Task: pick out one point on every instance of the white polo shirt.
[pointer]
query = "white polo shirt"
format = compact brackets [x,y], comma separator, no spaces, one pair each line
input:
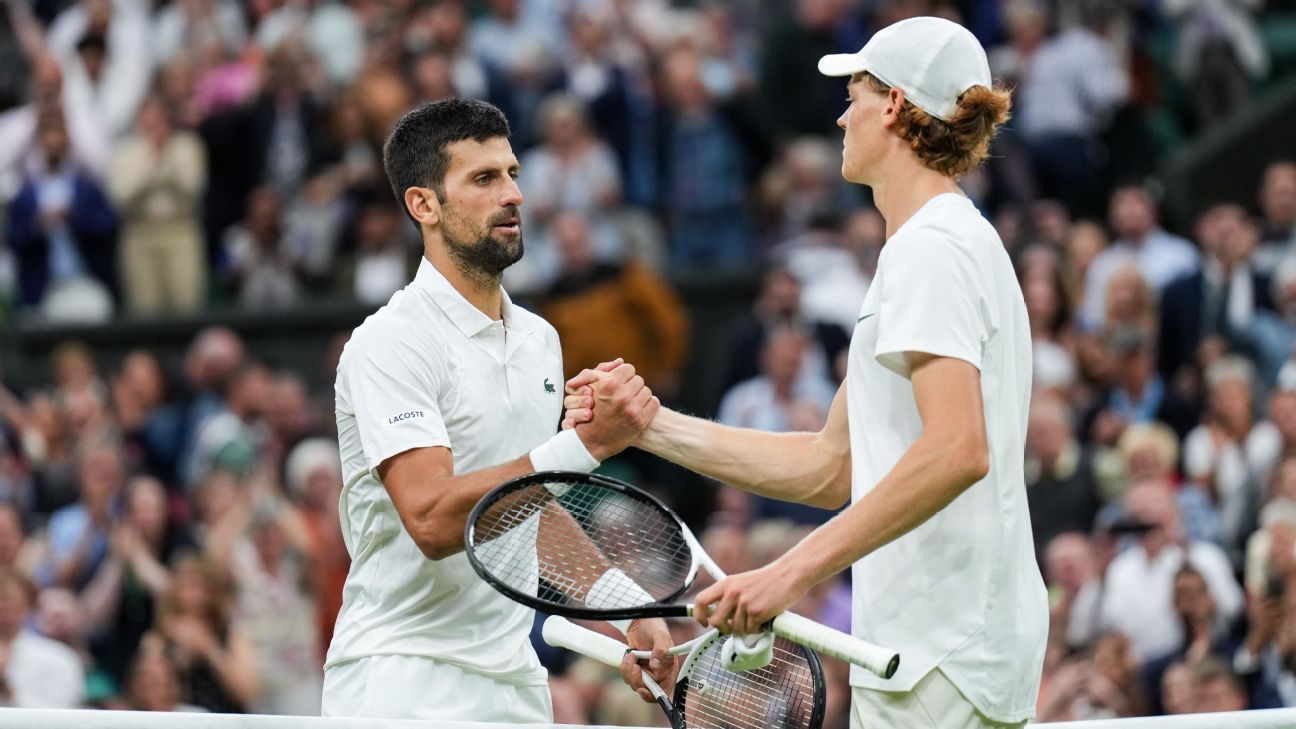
[429,369]
[962,591]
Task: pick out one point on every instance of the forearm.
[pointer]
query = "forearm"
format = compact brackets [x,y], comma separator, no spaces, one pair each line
[437,524]
[802,467]
[929,476]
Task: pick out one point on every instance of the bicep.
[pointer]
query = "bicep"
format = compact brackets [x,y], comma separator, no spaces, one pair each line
[947,391]
[410,476]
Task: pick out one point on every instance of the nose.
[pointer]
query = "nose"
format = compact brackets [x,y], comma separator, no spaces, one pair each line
[512,194]
[841,120]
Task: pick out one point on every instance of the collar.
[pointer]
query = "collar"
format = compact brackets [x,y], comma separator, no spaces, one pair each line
[466,317]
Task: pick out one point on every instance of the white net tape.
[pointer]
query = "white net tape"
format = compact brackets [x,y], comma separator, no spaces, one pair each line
[64,719]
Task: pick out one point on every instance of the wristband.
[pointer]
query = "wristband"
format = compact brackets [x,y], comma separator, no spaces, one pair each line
[615,589]
[563,452]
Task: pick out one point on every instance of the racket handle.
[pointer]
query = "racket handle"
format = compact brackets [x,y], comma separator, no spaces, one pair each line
[562,633]
[837,644]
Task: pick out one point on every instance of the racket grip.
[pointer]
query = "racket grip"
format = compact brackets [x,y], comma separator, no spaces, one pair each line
[562,633]
[837,644]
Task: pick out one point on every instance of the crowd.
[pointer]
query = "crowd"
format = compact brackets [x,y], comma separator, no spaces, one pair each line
[169,533]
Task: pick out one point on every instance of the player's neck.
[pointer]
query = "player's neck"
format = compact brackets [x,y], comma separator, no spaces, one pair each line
[903,186]
[481,290]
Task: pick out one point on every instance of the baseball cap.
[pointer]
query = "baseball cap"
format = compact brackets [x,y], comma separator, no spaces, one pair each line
[932,60]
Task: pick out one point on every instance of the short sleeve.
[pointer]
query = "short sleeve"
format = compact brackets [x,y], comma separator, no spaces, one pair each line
[395,392]
[931,301]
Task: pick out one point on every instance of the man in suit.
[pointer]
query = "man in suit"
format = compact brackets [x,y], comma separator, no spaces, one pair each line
[1227,298]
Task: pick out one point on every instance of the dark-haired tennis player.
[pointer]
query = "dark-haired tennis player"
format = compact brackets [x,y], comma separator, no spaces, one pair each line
[444,393]
[926,436]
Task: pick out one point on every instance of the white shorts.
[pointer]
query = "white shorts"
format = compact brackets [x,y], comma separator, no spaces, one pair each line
[934,703]
[413,687]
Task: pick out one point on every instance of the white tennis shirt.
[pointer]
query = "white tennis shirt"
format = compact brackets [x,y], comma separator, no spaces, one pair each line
[962,591]
[429,369]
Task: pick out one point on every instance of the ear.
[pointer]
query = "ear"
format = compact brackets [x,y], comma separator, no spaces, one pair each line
[423,205]
[895,104]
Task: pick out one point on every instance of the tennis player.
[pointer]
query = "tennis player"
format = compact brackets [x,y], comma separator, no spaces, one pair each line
[927,434]
[444,393]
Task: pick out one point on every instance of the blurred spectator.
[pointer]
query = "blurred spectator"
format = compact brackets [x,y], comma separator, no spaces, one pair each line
[525,53]
[832,280]
[273,566]
[1130,303]
[1226,452]
[703,162]
[330,30]
[780,399]
[63,233]
[1219,53]
[1207,634]
[1226,298]
[157,183]
[1278,214]
[778,304]
[1074,578]
[230,438]
[794,41]
[313,477]
[107,58]
[152,685]
[187,24]
[1161,257]
[35,672]
[607,310]
[1138,599]
[572,170]
[215,660]
[1049,310]
[1217,689]
[79,534]
[1084,241]
[803,184]
[120,601]
[1070,90]
[1178,690]
[383,259]
[256,268]
[1137,393]
[1061,487]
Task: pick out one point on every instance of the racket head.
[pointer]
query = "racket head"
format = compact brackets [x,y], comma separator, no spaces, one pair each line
[547,539]
[788,693]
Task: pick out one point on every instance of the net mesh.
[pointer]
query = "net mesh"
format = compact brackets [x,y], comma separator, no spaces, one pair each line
[780,695]
[579,544]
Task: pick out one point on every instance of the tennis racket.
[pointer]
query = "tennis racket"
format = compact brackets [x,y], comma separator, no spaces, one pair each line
[788,693]
[586,546]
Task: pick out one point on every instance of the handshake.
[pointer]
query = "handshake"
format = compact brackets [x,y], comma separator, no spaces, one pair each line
[610,407]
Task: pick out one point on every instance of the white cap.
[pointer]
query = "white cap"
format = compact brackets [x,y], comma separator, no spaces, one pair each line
[932,60]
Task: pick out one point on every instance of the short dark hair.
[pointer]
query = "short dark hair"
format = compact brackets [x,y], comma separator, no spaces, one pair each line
[415,152]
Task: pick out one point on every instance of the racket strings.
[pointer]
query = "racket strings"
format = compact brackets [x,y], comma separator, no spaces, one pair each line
[559,542]
[781,695]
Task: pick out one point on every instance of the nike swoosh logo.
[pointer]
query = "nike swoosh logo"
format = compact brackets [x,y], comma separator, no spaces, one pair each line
[862,318]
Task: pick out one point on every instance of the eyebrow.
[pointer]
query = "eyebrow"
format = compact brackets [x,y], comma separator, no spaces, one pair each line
[486,169]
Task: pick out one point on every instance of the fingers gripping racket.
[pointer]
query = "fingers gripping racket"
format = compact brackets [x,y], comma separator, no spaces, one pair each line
[586,546]
[788,693]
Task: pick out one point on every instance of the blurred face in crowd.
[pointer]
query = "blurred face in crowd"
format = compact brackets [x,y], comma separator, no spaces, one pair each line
[780,295]
[1085,241]
[1133,214]
[264,211]
[1231,404]
[481,223]
[1278,196]
[101,477]
[1219,693]
[152,683]
[1048,431]
[1153,504]
[142,376]
[146,507]
[53,138]
[1284,481]
[215,354]
[682,77]
[571,234]
[781,359]
[1177,690]
[1192,601]
[1069,561]
[1234,235]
